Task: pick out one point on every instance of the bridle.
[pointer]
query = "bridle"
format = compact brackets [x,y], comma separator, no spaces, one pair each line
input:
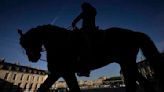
[43,50]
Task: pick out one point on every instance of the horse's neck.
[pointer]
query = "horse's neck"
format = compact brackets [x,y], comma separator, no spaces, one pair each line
[55,37]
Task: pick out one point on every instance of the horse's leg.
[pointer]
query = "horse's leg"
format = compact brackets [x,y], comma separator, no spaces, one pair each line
[153,56]
[71,81]
[48,83]
[129,70]
[131,75]
[146,84]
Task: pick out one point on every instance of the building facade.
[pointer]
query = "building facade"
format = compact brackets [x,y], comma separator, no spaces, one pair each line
[29,79]
[17,77]
[25,78]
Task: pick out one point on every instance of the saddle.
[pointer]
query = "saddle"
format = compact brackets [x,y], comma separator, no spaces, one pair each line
[84,43]
[87,40]
[85,37]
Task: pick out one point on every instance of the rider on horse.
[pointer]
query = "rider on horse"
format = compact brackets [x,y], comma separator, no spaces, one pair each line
[87,15]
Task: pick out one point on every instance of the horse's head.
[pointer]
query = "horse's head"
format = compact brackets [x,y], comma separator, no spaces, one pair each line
[32,44]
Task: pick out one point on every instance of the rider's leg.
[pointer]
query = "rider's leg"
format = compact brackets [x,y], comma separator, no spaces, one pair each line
[85,54]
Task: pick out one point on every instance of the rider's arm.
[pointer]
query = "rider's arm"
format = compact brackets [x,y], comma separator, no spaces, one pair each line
[77,19]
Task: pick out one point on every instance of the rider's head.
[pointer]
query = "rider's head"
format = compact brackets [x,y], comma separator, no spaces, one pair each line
[85,6]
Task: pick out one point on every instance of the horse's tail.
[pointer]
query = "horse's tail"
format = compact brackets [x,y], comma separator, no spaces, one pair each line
[147,46]
[151,53]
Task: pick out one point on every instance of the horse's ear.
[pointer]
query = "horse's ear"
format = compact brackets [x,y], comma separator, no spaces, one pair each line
[20,32]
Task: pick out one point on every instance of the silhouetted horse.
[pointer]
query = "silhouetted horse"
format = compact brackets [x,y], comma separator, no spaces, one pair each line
[110,45]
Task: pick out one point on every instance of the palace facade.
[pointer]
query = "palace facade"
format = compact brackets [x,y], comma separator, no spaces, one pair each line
[26,79]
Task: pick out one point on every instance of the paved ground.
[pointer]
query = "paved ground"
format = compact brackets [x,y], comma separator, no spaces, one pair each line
[110,90]
[105,90]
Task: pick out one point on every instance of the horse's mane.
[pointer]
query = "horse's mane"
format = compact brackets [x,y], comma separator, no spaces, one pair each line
[33,32]
[45,28]
[49,27]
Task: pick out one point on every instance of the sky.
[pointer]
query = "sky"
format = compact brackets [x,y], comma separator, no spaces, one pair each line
[145,16]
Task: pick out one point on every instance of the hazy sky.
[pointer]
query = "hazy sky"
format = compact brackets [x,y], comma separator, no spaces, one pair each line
[139,15]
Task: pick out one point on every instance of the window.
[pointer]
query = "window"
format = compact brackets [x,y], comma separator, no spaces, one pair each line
[38,78]
[30,86]
[42,78]
[19,85]
[28,77]
[6,76]
[25,86]
[21,77]
[32,78]
[14,78]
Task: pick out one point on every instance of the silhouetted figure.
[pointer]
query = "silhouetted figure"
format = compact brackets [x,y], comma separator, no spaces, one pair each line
[110,45]
[87,16]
